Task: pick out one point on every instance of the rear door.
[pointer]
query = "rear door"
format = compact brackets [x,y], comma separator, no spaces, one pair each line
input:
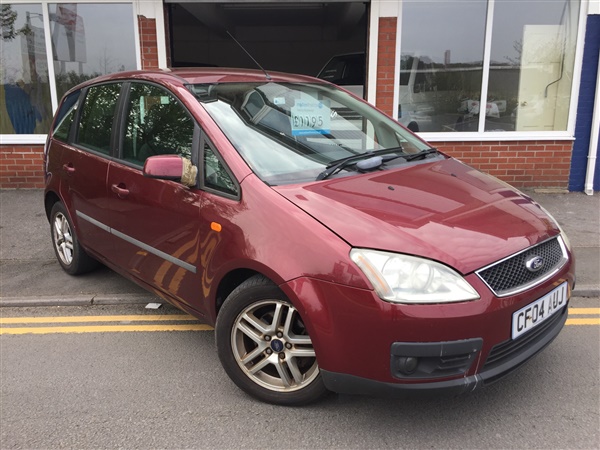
[85,163]
[157,222]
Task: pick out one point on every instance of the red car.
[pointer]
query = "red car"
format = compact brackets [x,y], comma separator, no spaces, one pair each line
[331,248]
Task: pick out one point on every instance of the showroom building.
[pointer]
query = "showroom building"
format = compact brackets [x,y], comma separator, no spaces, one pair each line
[428,63]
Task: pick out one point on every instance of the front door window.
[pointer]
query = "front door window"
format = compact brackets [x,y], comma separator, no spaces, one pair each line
[157,124]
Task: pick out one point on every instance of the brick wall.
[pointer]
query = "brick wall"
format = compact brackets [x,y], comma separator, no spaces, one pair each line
[522,164]
[386,55]
[21,167]
[148,42]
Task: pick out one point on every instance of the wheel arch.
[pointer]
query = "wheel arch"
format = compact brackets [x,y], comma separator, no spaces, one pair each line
[259,297]
[229,283]
[232,279]
[50,199]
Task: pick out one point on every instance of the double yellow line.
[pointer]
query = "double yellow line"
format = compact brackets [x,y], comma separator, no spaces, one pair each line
[51,325]
[167,322]
[586,319]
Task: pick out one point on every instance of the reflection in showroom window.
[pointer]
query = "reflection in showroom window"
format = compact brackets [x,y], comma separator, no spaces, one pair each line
[90,39]
[25,105]
[441,68]
[531,65]
[86,40]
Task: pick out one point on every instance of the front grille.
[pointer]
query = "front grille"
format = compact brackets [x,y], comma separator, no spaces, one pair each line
[511,275]
[511,348]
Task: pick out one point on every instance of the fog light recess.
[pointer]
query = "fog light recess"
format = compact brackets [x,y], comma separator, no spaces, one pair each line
[407,364]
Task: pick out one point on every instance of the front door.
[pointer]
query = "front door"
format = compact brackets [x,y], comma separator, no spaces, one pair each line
[157,222]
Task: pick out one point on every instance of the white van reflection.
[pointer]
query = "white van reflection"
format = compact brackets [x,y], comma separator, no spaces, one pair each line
[431,98]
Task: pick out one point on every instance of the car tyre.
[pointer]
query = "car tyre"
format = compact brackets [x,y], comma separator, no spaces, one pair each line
[264,346]
[72,258]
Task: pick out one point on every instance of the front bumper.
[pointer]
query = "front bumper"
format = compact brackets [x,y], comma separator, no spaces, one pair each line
[360,340]
[537,341]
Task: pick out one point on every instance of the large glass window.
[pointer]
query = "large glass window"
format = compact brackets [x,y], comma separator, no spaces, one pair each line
[441,64]
[532,59]
[25,104]
[531,62]
[90,39]
[87,40]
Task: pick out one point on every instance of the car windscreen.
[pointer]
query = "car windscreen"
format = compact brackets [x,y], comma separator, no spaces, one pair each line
[290,132]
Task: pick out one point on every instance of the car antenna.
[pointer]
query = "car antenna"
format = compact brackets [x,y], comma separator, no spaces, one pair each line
[248,53]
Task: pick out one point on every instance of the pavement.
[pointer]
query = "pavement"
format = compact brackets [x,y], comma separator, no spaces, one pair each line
[31,276]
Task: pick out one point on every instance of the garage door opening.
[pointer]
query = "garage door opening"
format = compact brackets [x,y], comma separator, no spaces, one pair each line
[281,36]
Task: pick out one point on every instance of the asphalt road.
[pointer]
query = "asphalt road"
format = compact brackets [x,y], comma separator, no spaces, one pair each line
[148,389]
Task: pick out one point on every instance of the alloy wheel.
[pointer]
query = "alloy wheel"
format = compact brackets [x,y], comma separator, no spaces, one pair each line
[272,347]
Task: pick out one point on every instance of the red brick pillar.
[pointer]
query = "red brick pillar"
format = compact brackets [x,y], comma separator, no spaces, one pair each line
[148,42]
[386,60]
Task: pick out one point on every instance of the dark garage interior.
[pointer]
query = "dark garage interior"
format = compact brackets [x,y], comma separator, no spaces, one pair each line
[298,37]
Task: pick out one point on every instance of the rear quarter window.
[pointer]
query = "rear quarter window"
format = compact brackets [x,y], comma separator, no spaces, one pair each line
[65,117]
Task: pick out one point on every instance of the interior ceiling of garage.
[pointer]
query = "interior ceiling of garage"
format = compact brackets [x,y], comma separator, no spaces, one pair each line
[284,36]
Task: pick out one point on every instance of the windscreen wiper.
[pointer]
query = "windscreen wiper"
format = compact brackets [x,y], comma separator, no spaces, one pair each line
[420,155]
[339,164]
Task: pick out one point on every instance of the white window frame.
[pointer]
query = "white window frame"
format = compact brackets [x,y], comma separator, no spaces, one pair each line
[23,139]
[478,136]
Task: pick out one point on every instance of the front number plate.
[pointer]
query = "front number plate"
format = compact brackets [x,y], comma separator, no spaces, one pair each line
[539,311]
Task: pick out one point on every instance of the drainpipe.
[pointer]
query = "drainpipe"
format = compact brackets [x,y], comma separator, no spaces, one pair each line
[591,166]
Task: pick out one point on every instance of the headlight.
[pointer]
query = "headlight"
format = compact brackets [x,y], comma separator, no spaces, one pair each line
[407,279]
[563,235]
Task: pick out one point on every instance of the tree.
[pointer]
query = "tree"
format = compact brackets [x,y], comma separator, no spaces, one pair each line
[7,23]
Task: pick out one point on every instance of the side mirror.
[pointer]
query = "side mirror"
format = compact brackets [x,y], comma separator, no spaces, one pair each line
[171,167]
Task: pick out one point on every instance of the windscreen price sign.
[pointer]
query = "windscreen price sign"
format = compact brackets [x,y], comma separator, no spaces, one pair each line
[310,116]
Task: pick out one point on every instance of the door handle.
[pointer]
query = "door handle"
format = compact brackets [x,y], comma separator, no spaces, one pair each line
[119,190]
[69,168]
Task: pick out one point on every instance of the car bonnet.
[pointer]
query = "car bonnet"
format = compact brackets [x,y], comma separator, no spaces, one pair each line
[443,210]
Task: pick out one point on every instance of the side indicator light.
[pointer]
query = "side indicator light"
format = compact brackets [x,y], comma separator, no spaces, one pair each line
[216,226]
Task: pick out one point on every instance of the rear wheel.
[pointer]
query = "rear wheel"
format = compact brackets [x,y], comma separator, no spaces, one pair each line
[264,346]
[73,259]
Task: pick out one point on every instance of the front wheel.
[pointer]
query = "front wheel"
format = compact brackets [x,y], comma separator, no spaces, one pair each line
[264,346]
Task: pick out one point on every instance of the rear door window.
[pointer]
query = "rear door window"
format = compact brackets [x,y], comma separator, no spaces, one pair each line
[98,117]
